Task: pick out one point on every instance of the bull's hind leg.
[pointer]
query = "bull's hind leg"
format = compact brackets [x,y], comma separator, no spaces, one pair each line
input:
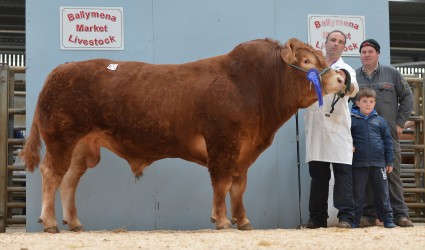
[86,154]
[54,166]
[236,196]
[51,179]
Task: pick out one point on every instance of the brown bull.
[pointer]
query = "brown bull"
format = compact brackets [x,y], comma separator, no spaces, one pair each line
[221,112]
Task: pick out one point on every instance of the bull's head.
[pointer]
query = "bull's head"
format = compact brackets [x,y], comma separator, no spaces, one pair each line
[303,57]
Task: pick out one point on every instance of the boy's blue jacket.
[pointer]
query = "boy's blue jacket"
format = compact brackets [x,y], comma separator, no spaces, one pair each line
[372,140]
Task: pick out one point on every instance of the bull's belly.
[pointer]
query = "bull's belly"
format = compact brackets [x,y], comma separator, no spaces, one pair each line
[138,154]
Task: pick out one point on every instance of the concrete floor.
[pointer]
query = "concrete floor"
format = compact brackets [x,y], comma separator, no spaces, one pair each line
[22,229]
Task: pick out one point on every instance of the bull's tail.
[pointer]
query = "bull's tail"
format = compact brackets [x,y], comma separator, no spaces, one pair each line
[31,151]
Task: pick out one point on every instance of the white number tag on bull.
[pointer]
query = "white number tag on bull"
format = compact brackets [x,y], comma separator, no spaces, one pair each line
[112,66]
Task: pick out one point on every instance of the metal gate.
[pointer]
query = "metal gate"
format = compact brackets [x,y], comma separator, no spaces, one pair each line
[412,149]
[12,134]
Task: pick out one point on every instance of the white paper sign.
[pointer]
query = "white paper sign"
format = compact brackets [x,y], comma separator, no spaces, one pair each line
[91,28]
[353,26]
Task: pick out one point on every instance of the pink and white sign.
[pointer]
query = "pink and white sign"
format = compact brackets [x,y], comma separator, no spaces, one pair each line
[353,26]
[91,28]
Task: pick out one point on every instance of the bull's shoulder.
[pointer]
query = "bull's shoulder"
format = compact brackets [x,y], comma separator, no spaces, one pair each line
[256,46]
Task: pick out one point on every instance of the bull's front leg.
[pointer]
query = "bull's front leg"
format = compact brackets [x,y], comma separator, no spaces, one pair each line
[236,196]
[221,186]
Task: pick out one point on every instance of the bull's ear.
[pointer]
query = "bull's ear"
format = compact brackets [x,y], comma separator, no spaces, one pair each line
[288,54]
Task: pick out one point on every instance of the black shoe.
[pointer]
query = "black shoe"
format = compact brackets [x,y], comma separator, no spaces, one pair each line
[404,222]
[310,225]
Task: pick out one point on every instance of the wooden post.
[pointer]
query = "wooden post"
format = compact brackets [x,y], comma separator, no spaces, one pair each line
[4,92]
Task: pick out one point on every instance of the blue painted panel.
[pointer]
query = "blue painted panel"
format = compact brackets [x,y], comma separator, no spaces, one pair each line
[184,195]
[189,30]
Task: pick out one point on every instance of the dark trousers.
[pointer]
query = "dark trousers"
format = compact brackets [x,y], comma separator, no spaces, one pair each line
[320,173]
[377,177]
[395,186]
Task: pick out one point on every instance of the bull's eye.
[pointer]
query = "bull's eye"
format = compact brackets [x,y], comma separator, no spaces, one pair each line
[306,61]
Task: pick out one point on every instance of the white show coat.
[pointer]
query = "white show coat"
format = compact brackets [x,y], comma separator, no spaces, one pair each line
[328,136]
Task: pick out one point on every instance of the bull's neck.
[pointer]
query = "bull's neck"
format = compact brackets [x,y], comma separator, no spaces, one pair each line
[282,96]
[294,92]
[279,95]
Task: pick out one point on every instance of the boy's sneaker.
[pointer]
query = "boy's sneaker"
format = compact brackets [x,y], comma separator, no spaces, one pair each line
[389,224]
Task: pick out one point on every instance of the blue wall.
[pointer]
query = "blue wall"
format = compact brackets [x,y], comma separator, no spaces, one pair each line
[167,31]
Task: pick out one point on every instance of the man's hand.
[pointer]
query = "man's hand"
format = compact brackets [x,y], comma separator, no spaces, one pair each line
[389,169]
[399,130]
[341,73]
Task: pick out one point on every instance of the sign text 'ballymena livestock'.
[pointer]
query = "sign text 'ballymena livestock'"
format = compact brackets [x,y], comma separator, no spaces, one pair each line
[92,28]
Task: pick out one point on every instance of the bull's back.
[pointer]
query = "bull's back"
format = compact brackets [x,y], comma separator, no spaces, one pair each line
[134,79]
[132,88]
[144,105]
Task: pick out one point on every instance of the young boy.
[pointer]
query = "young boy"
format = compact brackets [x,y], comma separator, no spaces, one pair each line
[373,157]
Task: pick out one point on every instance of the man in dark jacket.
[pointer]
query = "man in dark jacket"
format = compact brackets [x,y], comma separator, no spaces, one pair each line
[394,102]
[373,157]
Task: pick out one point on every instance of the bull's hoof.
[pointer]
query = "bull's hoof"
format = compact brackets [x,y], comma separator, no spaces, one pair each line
[77,229]
[64,222]
[51,230]
[246,227]
[234,221]
[225,226]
